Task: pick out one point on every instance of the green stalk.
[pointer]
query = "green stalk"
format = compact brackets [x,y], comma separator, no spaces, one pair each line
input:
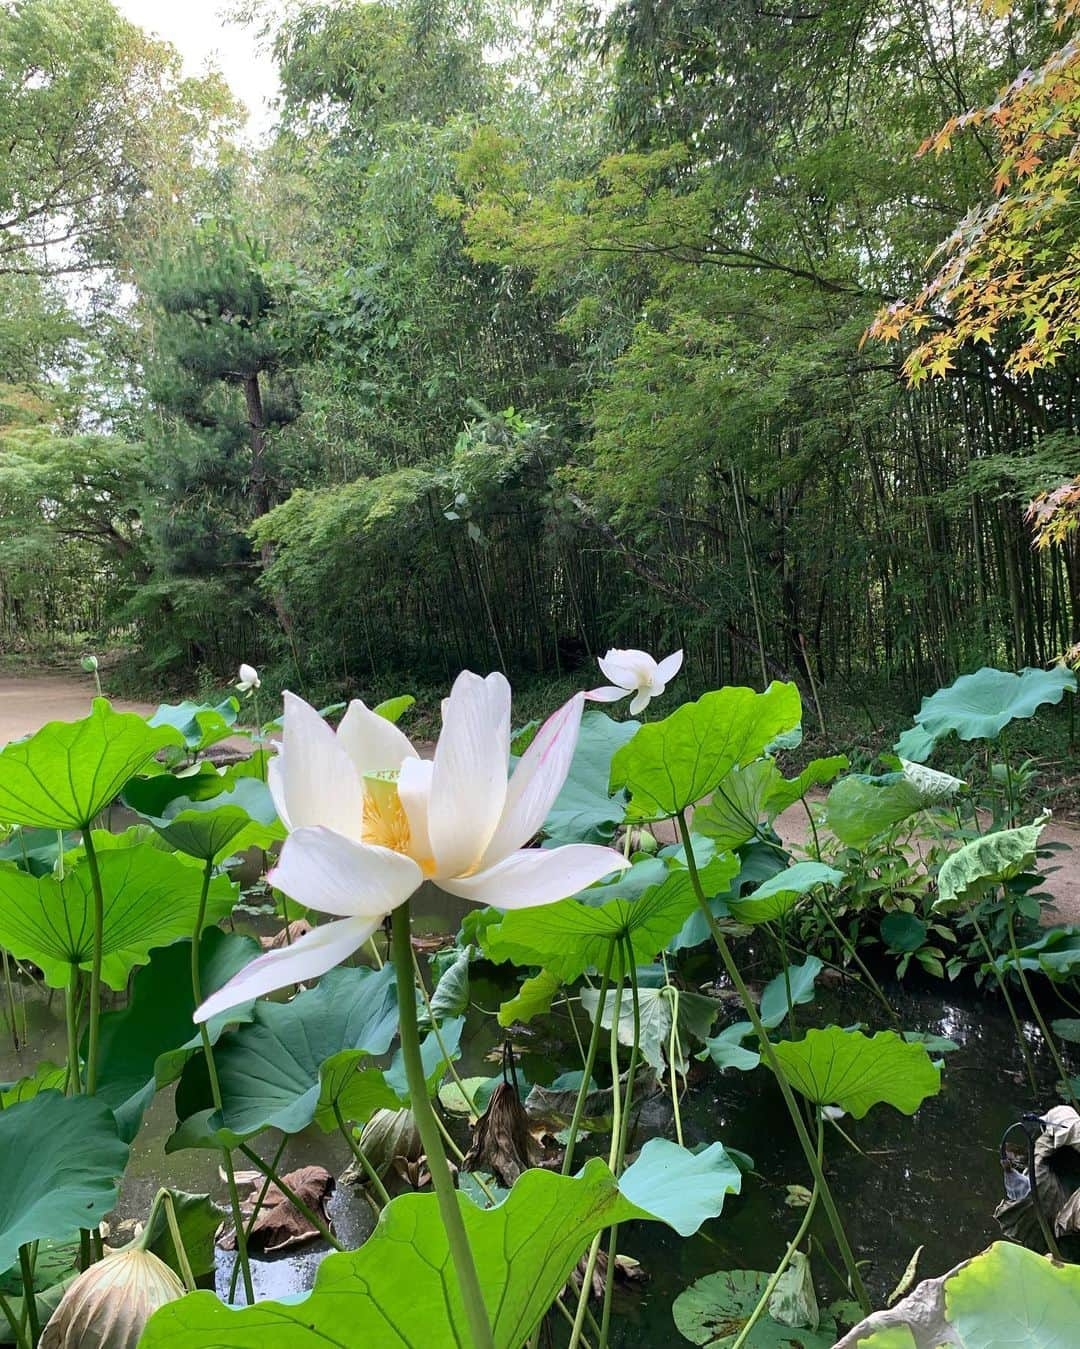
[215,1089]
[290,1194]
[628,1100]
[448,1058]
[793,1246]
[769,1054]
[177,1241]
[849,947]
[26,1269]
[73,1086]
[10,992]
[17,1332]
[674,1055]
[616,1130]
[95,963]
[1004,991]
[590,1060]
[259,1201]
[1048,1039]
[442,1181]
[360,1156]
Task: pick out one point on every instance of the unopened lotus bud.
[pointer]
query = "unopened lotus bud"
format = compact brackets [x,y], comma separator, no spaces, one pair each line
[89,664]
[109,1304]
[388,1135]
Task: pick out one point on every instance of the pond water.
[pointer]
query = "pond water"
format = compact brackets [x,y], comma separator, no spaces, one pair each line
[932,1180]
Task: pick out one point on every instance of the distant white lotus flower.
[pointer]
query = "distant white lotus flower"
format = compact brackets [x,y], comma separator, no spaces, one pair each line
[635,672]
[369,821]
[249,679]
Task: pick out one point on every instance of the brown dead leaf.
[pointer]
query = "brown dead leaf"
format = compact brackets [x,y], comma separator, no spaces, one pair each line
[279,1226]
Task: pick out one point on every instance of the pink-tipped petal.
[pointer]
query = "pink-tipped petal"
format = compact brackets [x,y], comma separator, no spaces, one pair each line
[669,667]
[468,781]
[328,872]
[314,781]
[374,744]
[631,669]
[608,694]
[313,954]
[537,780]
[536,876]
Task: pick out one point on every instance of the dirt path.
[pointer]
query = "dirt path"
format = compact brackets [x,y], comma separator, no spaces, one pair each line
[27,702]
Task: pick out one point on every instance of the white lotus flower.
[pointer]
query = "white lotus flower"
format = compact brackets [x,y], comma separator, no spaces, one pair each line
[369,821]
[635,672]
[249,679]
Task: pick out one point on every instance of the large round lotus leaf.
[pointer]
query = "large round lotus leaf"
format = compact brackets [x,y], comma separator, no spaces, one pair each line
[151,899]
[67,772]
[774,897]
[673,763]
[200,724]
[856,1071]
[399,1291]
[1005,1298]
[714,1311]
[60,1160]
[979,706]
[860,806]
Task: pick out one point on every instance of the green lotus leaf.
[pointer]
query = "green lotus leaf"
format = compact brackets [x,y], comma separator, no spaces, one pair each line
[585,811]
[151,899]
[728,1051]
[47,1076]
[60,1161]
[145,1045]
[569,937]
[269,1068]
[672,764]
[352,1088]
[780,893]
[533,998]
[979,706]
[656,1008]
[200,724]
[860,807]
[36,850]
[198,1219]
[714,1310]
[967,874]
[746,796]
[450,997]
[798,982]
[757,863]
[64,774]
[857,1071]
[399,1290]
[393,709]
[1006,1296]
[205,823]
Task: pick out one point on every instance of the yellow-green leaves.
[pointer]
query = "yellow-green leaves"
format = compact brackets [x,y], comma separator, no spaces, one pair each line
[62,776]
[670,764]
[856,1071]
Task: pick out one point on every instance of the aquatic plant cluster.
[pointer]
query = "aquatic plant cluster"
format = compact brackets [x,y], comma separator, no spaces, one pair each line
[599,858]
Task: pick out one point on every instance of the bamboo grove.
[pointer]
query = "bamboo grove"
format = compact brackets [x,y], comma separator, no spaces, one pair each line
[527,333]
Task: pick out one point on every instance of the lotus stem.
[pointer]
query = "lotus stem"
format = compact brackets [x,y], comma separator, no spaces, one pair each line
[73,1086]
[17,1332]
[854,1277]
[793,1246]
[1036,1011]
[95,964]
[178,1241]
[259,1200]
[360,1156]
[269,1169]
[456,1236]
[590,1060]
[215,1087]
[628,1100]
[1004,990]
[26,1269]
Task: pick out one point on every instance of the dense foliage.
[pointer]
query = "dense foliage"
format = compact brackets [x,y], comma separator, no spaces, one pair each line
[555,332]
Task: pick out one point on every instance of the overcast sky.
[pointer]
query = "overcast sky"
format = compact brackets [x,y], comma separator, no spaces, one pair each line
[196,30]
